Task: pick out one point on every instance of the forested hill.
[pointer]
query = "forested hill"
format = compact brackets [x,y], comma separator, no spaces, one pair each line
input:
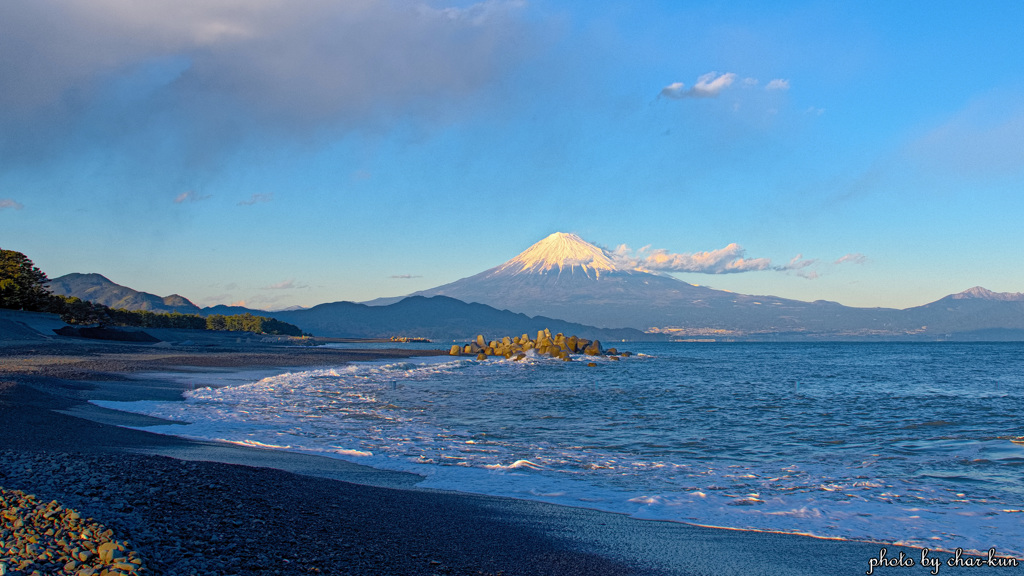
[99,289]
[23,286]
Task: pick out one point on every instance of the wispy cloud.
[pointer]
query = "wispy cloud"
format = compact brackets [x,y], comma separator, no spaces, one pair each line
[6,203]
[800,266]
[708,86]
[215,299]
[289,284]
[257,199]
[190,196]
[263,301]
[976,149]
[852,259]
[984,140]
[712,84]
[405,276]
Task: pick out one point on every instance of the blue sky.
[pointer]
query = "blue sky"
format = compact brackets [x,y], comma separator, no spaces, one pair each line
[281,153]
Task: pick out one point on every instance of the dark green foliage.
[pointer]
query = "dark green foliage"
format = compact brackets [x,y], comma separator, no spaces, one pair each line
[22,285]
[249,323]
[76,311]
[216,322]
[148,319]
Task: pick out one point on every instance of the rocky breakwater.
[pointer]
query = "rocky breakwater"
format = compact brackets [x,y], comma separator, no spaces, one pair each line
[519,347]
[46,538]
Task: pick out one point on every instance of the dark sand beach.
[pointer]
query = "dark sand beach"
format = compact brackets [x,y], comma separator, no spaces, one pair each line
[201,508]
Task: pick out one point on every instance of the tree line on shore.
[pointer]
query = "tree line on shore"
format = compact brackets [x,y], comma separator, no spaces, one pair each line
[23,286]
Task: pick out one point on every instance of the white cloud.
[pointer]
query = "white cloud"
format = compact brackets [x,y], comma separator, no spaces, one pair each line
[852,259]
[777,84]
[726,260]
[798,263]
[708,86]
[803,268]
[257,199]
[218,71]
[190,196]
[6,203]
[675,90]
[404,276]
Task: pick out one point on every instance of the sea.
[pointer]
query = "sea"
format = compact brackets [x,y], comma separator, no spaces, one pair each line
[918,444]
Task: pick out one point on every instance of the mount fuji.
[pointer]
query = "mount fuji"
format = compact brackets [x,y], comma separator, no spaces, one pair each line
[565,277]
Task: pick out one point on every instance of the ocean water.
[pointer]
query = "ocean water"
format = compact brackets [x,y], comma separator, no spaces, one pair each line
[916,444]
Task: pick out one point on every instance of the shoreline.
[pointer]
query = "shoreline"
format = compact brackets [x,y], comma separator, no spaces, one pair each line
[230,491]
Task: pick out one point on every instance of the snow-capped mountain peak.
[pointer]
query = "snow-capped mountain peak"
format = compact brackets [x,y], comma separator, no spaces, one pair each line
[561,251]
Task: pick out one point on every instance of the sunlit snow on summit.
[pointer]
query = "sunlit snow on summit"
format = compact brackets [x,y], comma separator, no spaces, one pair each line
[560,250]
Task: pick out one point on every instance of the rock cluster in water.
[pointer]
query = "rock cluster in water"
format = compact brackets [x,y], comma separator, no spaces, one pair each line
[516,347]
[46,538]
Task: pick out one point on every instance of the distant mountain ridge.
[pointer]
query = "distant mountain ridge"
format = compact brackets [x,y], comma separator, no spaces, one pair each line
[568,285]
[436,318]
[99,289]
[973,310]
[980,293]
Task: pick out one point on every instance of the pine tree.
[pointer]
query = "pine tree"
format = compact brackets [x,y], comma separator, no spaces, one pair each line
[22,285]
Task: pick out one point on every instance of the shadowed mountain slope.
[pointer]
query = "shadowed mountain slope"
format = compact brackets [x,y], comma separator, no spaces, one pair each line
[438,318]
[99,289]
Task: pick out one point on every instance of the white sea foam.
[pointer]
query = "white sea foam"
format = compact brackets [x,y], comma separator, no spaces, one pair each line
[636,438]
